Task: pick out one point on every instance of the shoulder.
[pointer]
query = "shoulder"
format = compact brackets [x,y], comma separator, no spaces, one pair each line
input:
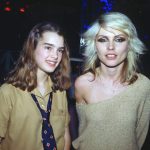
[7,88]
[82,86]
[83,80]
[142,86]
[144,81]
[6,93]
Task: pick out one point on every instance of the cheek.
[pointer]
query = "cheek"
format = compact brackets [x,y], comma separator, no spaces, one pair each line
[59,57]
[124,46]
[124,53]
[100,48]
[39,55]
[125,49]
[100,54]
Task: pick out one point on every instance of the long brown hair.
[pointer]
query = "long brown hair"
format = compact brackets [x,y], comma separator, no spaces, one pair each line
[24,75]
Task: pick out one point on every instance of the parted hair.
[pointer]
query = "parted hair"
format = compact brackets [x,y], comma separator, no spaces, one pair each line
[24,74]
[121,22]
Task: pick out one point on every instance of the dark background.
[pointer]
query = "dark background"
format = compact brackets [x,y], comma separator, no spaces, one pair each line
[74,16]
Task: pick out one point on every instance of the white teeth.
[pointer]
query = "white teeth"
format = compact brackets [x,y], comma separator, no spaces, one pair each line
[51,62]
[111,55]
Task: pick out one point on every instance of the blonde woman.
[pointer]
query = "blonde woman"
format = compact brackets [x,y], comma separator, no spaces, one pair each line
[113,99]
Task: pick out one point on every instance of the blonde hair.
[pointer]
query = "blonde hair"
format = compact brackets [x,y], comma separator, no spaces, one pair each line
[122,23]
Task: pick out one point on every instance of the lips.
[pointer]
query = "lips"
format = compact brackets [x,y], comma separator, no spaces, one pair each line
[52,63]
[111,56]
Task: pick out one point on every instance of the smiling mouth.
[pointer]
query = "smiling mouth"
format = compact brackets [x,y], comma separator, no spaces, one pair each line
[111,56]
[51,63]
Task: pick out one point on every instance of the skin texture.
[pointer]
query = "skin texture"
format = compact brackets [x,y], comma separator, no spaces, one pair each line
[48,55]
[42,68]
[48,52]
[105,102]
[112,49]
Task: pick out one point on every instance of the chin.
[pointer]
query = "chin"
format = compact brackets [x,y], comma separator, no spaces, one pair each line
[112,65]
[49,70]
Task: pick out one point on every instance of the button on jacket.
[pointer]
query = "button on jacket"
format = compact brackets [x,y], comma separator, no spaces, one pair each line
[21,121]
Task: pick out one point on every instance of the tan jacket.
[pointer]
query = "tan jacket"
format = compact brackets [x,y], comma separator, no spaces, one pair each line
[21,121]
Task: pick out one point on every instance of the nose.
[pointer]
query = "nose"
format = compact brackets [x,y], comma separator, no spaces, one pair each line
[54,53]
[111,45]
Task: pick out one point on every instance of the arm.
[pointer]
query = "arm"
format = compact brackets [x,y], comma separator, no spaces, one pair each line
[67,139]
[79,89]
[80,100]
[80,92]
[143,122]
[4,113]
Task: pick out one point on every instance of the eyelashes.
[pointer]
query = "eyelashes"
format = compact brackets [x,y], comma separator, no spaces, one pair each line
[118,39]
[121,39]
[101,40]
[49,48]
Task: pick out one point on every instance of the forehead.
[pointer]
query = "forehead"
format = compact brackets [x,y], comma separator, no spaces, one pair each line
[110,31]
[52,38]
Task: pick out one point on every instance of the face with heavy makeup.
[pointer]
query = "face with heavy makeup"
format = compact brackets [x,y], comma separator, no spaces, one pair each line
[111,46]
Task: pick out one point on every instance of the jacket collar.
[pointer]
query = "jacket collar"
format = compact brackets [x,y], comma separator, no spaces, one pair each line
[48,90]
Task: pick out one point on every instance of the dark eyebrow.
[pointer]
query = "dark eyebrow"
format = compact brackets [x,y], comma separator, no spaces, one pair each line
[101,36]
[104,36]
[121,35]
[48,44]
[53,45]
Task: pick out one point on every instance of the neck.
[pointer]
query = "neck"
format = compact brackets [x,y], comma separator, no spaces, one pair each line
[112,75]
[42,79]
